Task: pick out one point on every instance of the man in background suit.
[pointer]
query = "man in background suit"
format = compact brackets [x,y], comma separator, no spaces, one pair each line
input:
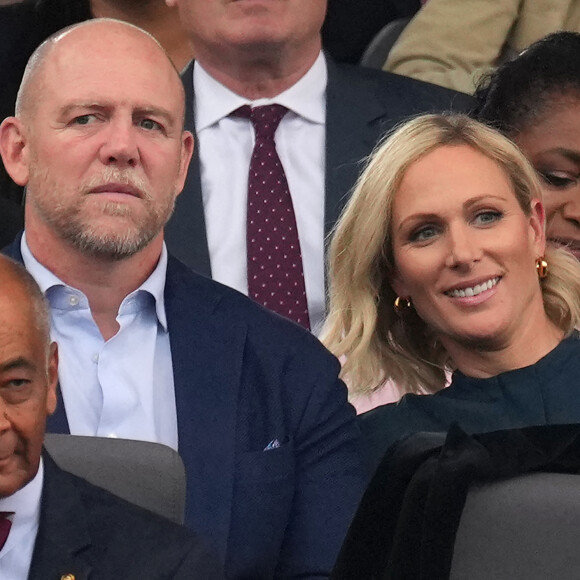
[150,350]
[53,524]
[258,53]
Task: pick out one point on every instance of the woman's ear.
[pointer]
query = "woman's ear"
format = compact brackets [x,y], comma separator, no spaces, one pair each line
[14,149]
[398,286]
[538,226]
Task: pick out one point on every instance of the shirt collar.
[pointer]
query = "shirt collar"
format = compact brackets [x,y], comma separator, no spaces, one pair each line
[43,276]
[25,503]
[154,285]
[306,98]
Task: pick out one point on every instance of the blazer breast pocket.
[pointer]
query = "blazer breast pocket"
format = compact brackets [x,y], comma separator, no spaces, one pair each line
[267,465]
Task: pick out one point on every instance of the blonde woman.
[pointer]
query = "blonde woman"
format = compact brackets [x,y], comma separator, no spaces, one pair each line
[439,263]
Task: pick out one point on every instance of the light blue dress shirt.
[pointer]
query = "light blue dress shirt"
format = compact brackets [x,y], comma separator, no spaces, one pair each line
[122,387]
[16,556]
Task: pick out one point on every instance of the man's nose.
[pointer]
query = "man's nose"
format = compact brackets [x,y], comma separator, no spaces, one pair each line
[120,145]
[4,421]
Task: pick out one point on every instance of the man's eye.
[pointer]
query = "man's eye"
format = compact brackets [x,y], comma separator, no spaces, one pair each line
[559,179]
[487,217]
[18,383]
[84,119]
[150,125]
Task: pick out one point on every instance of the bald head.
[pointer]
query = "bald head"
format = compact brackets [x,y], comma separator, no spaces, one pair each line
[101,34]
[101,111]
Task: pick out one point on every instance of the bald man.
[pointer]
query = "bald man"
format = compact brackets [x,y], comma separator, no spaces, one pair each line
[60,526]
[24,25]
[150,350]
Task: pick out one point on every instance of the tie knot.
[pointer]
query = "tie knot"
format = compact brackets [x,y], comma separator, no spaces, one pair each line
[265,118]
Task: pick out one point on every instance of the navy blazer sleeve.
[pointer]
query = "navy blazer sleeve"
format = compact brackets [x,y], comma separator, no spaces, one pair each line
[328,475]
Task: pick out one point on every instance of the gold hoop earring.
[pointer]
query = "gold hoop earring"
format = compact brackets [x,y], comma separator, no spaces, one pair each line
[541,268]
[402,304]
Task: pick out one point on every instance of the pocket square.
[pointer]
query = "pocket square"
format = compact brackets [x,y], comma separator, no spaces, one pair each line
[274,444]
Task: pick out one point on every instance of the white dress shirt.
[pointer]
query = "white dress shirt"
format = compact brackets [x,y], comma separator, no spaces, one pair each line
[16,556]
[122,387]
[225,147]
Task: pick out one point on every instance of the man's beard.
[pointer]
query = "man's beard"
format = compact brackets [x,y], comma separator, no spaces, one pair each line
[66,217]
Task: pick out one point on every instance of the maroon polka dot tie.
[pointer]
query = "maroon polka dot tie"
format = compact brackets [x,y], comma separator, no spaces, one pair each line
[275,274]
[5,525]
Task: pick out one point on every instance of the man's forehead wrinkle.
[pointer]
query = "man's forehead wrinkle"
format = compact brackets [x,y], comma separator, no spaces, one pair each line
[76,60]
[73,50]
[95,36]
[20,362]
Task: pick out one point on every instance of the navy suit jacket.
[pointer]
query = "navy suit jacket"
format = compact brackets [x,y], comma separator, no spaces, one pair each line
[246,379]
[11,220]
[92,534]
[361,105]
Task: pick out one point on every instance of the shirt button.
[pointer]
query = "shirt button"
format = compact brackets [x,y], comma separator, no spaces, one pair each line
[73,300]
[95,358]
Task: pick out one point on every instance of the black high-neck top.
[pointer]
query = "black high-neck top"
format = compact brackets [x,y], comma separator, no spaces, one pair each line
[547,392]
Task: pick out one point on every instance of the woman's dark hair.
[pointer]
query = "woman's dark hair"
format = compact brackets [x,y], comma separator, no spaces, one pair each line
[518,92]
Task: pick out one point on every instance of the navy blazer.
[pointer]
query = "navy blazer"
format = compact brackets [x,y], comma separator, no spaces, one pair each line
[92,534]
[361,105]
[247,380]
[11,220]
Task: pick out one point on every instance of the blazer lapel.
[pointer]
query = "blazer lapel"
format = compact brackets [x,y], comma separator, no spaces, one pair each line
[185,233]
[63,536]
[207,352]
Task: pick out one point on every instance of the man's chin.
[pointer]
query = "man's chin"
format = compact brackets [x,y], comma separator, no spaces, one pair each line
[13,475]
[110,247]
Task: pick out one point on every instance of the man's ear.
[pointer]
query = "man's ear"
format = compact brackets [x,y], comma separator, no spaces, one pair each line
[14,149]
[52,379]
[186,153]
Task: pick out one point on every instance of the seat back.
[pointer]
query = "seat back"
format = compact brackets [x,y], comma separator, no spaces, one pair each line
[503,504]
[375,55]
[147,474]
[523,528]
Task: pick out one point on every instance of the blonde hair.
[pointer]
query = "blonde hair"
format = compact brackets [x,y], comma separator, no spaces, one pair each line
[362,325]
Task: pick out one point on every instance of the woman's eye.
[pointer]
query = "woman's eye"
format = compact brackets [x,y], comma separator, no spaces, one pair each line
[423,234]
[487,217]
[559,179]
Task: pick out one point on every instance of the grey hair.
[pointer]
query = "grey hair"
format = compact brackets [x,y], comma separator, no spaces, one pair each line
[40,307]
